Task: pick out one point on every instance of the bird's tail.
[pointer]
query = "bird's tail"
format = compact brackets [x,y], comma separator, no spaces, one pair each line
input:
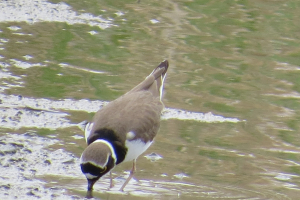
[155,81]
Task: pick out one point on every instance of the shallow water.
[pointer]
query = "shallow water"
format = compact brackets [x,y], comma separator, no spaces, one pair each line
[231,123]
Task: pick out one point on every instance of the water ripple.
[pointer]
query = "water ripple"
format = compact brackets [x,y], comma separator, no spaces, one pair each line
[17,111]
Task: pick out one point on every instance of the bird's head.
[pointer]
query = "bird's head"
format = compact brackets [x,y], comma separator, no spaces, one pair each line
[97,160]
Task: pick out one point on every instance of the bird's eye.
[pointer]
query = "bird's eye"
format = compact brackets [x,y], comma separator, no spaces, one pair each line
[103,169]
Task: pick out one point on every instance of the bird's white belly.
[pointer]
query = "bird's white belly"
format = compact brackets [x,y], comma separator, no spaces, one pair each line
[135,148]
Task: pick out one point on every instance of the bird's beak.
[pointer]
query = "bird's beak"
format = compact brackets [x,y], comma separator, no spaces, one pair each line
[89,193]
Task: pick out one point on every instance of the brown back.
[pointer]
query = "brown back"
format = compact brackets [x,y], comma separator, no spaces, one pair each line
[138,110]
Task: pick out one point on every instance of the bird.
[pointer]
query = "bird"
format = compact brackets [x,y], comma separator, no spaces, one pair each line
[123,129]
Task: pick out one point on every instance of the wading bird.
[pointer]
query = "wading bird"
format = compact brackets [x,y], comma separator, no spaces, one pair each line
[123,129]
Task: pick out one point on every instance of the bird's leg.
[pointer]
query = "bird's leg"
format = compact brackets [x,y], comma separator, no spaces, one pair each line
[130,175]
[111,180]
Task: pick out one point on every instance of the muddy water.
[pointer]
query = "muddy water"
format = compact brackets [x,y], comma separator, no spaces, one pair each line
[231,127]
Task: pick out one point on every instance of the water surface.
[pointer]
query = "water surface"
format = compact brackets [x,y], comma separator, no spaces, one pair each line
[231,127]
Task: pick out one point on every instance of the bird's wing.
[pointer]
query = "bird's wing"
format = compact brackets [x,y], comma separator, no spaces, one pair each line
[154,82]
[137,112]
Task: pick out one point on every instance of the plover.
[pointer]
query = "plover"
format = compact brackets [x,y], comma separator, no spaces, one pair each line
[123,129]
